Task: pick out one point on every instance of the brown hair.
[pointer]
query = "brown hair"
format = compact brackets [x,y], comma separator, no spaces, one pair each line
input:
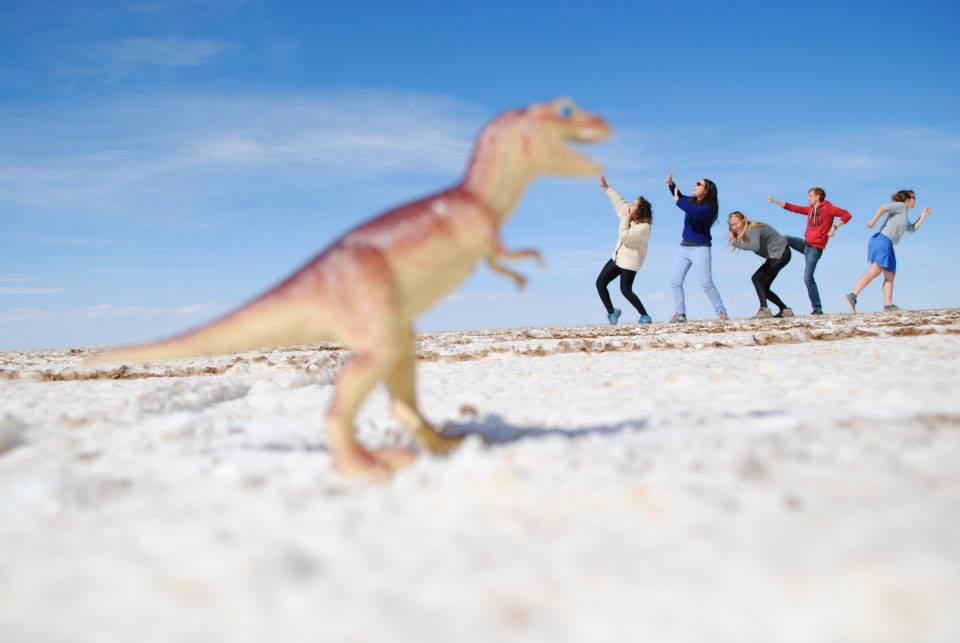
[709,194]
[644,213]
[747,224]
[903,195]
[820,192]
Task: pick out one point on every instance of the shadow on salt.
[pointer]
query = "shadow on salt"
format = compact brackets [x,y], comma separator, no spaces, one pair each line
[493,429]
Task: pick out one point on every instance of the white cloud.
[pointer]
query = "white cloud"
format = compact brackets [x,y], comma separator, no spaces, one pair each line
[112,311]
[105,312]
[112,152]
[30,291]
[115,59]
[18,315]
[486,296]
[863,153]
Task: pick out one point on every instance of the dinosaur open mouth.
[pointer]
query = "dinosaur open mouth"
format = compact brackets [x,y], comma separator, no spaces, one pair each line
[588,134]
[593,132]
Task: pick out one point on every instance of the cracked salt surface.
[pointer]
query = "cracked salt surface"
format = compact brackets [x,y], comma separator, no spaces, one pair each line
[780,480]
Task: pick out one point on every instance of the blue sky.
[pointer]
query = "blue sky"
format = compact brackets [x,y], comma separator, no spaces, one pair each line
[164,161]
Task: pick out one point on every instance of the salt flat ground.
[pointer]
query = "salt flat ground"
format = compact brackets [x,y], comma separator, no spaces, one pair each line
[782,480]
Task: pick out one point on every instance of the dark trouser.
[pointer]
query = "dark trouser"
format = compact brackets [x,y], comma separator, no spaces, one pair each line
[763,278]
[610,272]
[811,256]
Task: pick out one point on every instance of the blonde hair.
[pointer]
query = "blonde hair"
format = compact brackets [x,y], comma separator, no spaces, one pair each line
[747,224]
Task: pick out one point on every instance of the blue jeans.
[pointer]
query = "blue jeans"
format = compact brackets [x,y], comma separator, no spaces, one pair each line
[700,258]
[811,256]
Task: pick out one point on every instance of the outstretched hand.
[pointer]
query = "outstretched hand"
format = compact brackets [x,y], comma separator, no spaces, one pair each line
[925,213]
[669,180]
[603,182]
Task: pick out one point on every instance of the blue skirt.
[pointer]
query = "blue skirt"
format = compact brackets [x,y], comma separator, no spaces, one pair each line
[880,252]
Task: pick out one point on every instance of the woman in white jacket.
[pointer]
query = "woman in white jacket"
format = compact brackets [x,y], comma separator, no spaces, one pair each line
[634,232]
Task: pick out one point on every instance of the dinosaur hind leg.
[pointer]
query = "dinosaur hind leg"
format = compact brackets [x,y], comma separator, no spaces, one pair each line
[357,378]
[401,385]
[367,321]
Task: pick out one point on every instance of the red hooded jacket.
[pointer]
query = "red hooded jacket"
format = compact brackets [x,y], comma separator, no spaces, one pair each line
[819,221]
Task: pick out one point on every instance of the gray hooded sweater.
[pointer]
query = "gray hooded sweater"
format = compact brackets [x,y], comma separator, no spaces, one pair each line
[763,240]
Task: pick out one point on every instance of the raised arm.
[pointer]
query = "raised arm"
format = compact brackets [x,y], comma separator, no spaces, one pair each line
[913,227]
[799,209]
[770,199]
[674,192]
[619,205]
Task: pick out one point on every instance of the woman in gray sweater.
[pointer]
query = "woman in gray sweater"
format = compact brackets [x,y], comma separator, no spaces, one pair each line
[769,244]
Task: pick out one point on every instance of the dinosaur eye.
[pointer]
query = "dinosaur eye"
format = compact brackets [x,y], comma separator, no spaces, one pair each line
[566,111]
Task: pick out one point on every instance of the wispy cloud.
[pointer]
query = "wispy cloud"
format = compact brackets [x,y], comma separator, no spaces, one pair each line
[160,52]
[169,145]
[112,60]
[871,152]
[111,311]
[29,291]
[20,315]
[104,312]
[484,296]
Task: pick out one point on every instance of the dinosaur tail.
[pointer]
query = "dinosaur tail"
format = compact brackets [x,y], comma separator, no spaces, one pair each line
[270,321]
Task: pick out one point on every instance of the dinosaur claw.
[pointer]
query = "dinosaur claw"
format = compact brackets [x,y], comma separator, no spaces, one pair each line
[357,462]
[395,457]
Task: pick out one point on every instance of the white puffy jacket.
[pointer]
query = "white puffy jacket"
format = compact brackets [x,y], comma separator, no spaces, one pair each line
[632,238]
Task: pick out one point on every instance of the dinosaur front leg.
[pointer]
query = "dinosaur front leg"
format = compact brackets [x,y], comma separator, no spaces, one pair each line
[498,252]
[498,267]
[401,385]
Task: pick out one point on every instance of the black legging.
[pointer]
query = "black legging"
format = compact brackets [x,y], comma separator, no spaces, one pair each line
[763,278]
[610,272]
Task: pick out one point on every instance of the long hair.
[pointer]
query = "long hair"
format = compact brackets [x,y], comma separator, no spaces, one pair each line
[747,224]
[709,196]
[644,213]
[902,195]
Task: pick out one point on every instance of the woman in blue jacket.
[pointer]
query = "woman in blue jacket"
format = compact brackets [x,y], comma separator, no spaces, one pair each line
[700,213]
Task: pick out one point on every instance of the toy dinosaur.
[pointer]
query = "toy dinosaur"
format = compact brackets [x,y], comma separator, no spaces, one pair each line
[367,288]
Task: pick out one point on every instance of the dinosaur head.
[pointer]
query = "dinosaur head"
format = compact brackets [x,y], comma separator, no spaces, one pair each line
[547,129]
[521,144]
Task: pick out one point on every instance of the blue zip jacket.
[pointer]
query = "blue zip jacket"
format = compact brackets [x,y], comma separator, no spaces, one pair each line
[697,220]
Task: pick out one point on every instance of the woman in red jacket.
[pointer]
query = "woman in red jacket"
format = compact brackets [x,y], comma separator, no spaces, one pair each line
[821,226]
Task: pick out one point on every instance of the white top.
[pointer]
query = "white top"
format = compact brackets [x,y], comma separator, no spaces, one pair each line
[632,237]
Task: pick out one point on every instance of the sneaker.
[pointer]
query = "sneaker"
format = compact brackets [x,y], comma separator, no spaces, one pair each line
[891,308]
[763,313]
[614,316]
[786,312]
[724,316]
[851,301]
[678,318]
[646,319]
[817,311]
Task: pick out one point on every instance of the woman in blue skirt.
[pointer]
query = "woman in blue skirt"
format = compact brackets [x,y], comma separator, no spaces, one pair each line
[880,252]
